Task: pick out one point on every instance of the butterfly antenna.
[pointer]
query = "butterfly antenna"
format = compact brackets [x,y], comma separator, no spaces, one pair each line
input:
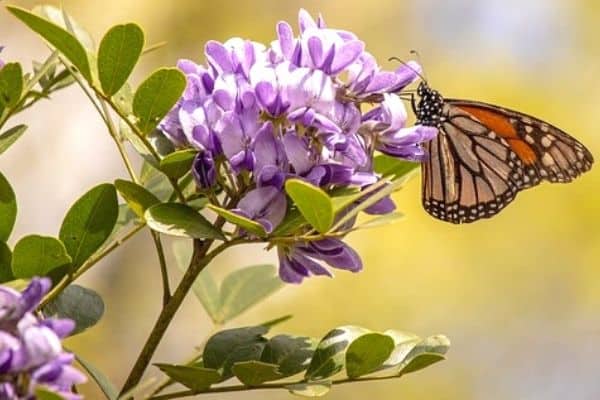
[407,65]
[419,60]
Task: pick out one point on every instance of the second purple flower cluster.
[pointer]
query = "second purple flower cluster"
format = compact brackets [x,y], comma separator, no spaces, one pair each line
[31,354]
[259,115]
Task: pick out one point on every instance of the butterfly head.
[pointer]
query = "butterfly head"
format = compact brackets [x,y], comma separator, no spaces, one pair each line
[430,106]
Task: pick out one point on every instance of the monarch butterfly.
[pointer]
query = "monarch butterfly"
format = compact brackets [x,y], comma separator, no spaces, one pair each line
[485,154]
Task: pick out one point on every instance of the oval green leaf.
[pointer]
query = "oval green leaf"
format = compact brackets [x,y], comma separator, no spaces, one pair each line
[291,353]
[225,348]
[180,220]
[11,85]
[36,255]
[156,96]
[89,222]
[138,198]
[64,41]
[329,356]
[8,208]
[429,351]
[6,274]
[194,378]
[253,373]
[82,305]
[314,204]
[178,163]
[238,220]
[43,394]
[367,353]
[11,136]
[119,51]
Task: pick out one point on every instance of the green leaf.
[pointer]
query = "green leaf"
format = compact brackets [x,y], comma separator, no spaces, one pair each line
[119,51]
[314,204]
[393,167]
[194,378]
[8,209]
[225,348]
[310,389]
[253,373]
[180,220]
[58,15]
[329,356]
[43,394]
[293,221]
[11,85]
[246,287]
[89,222]
[124,220]
[64,41]
[6,274]
[137,197]
[156,96]
[36,255]
[425,353]
[238,220]
[155,181]
[109,390]
[205,288]
[291,353]
[82,305]
[179,163]
[11,136]
[367,353]
[404,342]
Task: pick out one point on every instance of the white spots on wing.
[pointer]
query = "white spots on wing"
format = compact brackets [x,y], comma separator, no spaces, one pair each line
[547,141]
[529,139]
[526,120]
[528,128]
[547,160]
[545,127]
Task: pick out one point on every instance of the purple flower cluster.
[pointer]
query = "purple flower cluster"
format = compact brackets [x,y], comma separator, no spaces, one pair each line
[31,354]
[259,115]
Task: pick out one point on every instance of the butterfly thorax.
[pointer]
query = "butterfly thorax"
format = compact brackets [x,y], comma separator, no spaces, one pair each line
[429,110]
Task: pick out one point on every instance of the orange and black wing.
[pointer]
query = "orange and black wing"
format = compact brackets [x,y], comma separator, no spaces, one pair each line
[484,155]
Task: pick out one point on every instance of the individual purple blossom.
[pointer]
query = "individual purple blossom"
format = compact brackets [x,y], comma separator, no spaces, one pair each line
[31,353]
[391,136]
[305,259]
[293,110]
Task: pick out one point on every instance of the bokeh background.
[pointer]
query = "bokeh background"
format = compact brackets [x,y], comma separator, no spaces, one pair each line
[519,294]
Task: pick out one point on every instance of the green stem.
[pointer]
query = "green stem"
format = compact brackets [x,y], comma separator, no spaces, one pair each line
[142,138]
[163,266]
[93,260]
[200,259]
[266,386]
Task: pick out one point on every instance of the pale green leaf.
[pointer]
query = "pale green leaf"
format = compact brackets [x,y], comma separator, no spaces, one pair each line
[314,204]
[180,220]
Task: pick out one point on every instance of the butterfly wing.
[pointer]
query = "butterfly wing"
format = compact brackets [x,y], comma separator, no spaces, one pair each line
[484,155]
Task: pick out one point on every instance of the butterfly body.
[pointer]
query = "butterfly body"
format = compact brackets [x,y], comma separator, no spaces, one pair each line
[485,154]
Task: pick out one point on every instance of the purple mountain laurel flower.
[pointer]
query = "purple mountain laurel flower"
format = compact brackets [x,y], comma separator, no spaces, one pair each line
[263,114]
[31,354]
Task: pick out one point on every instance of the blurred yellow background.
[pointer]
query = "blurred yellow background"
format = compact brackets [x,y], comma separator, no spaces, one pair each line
[519,295]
